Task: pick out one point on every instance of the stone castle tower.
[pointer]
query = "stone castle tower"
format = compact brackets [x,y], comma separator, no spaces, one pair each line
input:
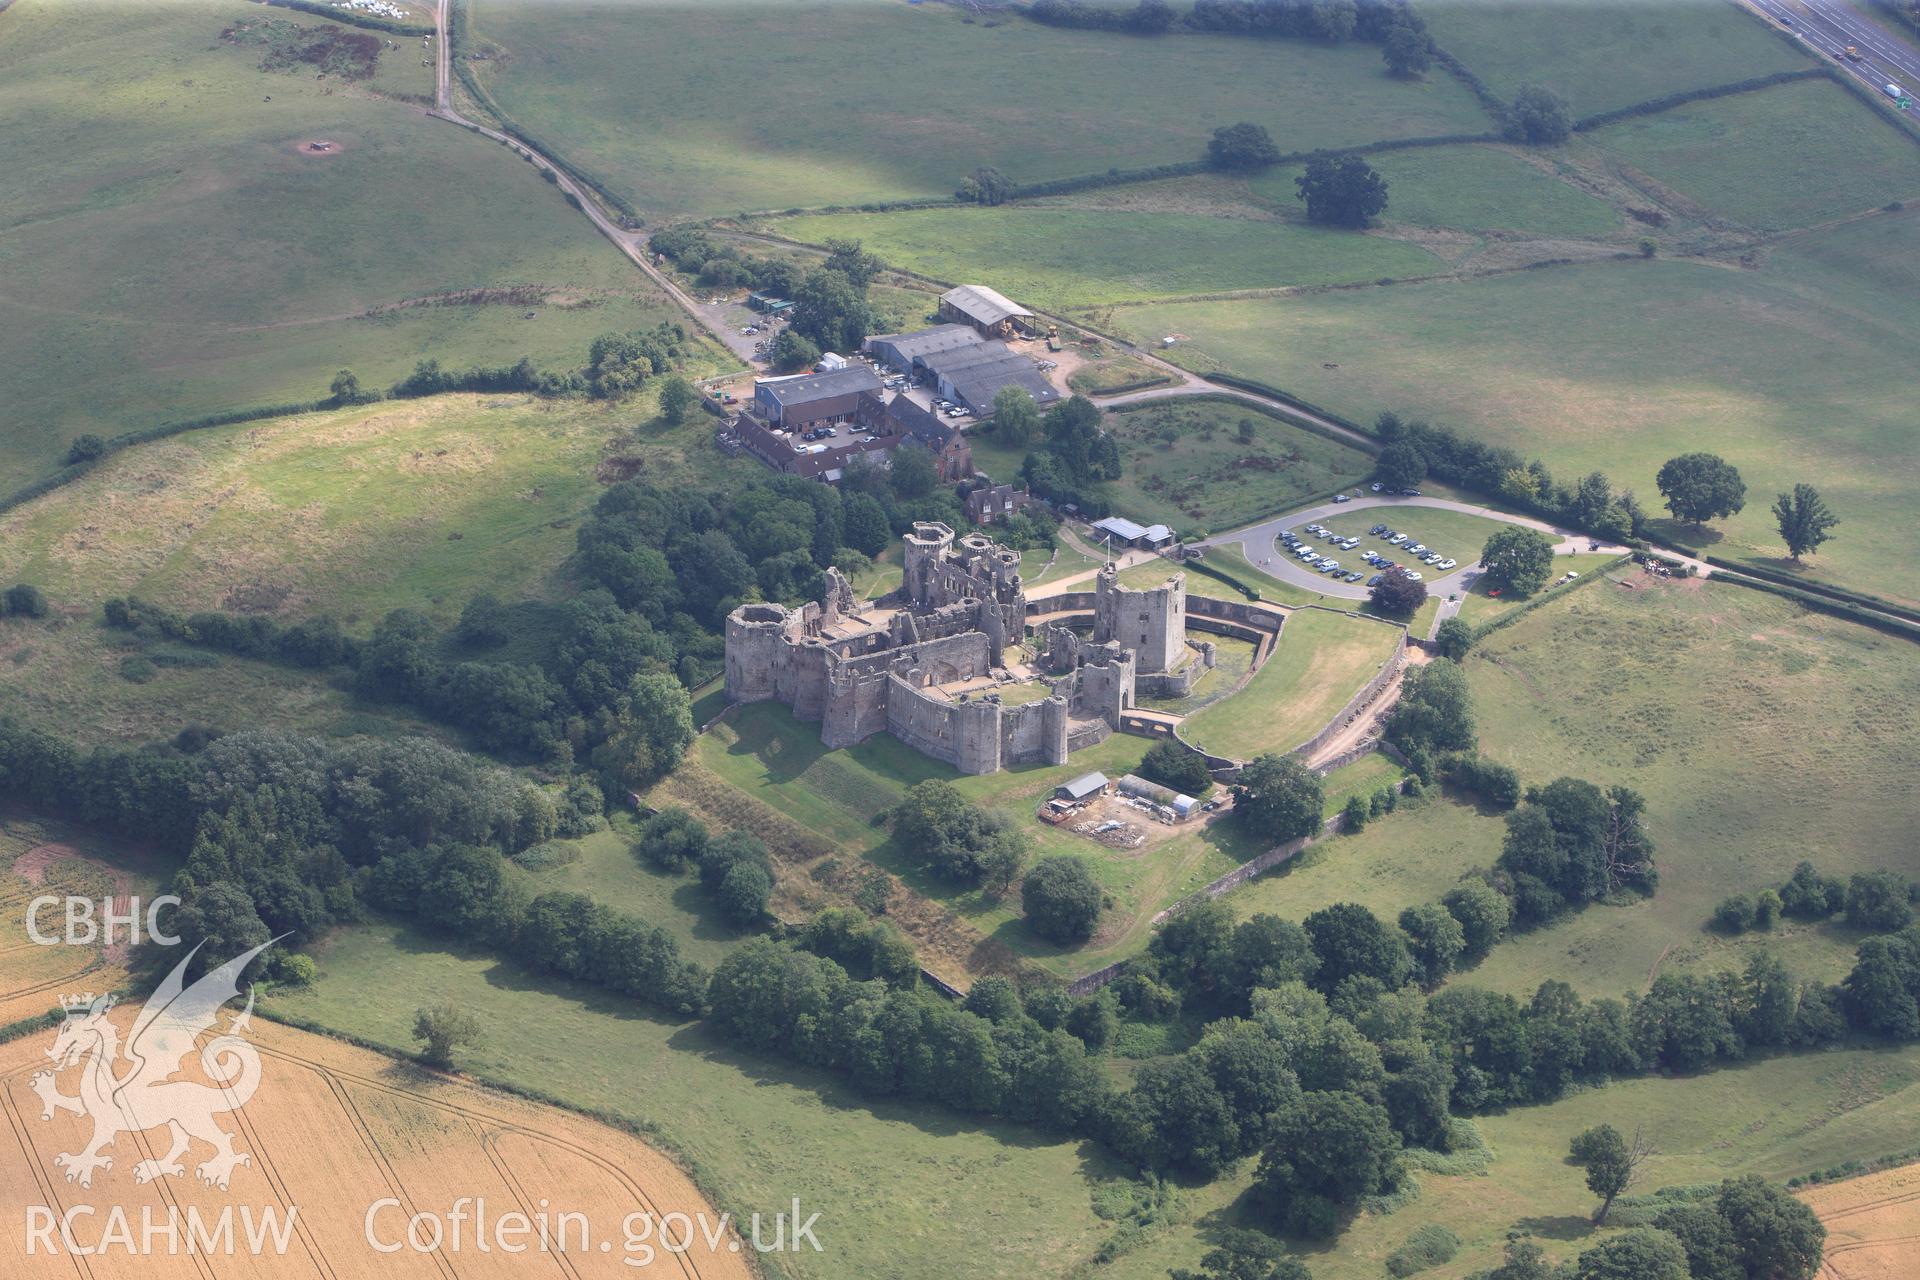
[1152,623]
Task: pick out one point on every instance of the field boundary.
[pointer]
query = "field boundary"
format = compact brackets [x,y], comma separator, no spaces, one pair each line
[1512,616]
[1845,611]
[1654,106]
[1841,594]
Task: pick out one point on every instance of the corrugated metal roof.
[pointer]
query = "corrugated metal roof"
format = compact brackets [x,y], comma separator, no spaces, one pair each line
[978,387]
[1083,786]
[820,386]
[983,305]
[924,342]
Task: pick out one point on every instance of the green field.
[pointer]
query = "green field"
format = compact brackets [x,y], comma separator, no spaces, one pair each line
[1794,371]
[1185,464]
[899,1187]
[1791,156]
[1055,258]
[1322,660]
[64,675]
[421,503]
[839,796]
[607,871]
[1606,55]
[730,107]
[1407,857]
[166,251]
[1471,188]
[1759,733]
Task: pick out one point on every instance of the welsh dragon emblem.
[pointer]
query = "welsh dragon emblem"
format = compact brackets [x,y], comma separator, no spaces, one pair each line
[130,1089]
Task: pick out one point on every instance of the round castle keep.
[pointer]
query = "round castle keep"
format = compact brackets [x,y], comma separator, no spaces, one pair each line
[756,636]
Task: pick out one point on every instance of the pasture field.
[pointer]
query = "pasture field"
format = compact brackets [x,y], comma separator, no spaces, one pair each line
[1613,54]
[1790,156]
[737,107]
[761,751]
[1402,859]
[903,1190]
[1322,660]
[1873,1224]
[1469,188]
[1793,371]
[1760,734]
[1218,464]
[333,1129]
[1057,258]
[68,674]
[351,512]
[1776,1117]
[168,250]
[605,868]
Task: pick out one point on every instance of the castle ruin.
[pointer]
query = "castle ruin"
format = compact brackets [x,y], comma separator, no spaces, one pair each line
[936,664]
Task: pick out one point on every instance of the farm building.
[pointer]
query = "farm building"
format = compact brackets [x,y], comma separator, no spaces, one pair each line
[988,311]
[905,420]
[971,376]
[1123,530]
[907,352]
[1084,787]
[808,399]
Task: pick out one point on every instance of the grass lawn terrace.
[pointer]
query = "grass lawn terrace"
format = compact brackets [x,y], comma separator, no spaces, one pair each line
[1322,660]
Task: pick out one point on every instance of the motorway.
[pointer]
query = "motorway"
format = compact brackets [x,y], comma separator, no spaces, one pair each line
[1829,26]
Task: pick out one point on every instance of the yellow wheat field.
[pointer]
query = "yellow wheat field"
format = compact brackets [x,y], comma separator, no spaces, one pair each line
[1873,1225]
[333,1133]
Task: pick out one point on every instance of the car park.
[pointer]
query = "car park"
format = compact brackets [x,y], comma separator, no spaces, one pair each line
[1416,548]
[1449,563]
[1374,581]
[1352,576]
[1398,539]
[1378,530]
[1328,566]
[1417,577]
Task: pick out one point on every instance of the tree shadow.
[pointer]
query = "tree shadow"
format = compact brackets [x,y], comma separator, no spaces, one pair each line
[1681,533]
[1565,1226]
